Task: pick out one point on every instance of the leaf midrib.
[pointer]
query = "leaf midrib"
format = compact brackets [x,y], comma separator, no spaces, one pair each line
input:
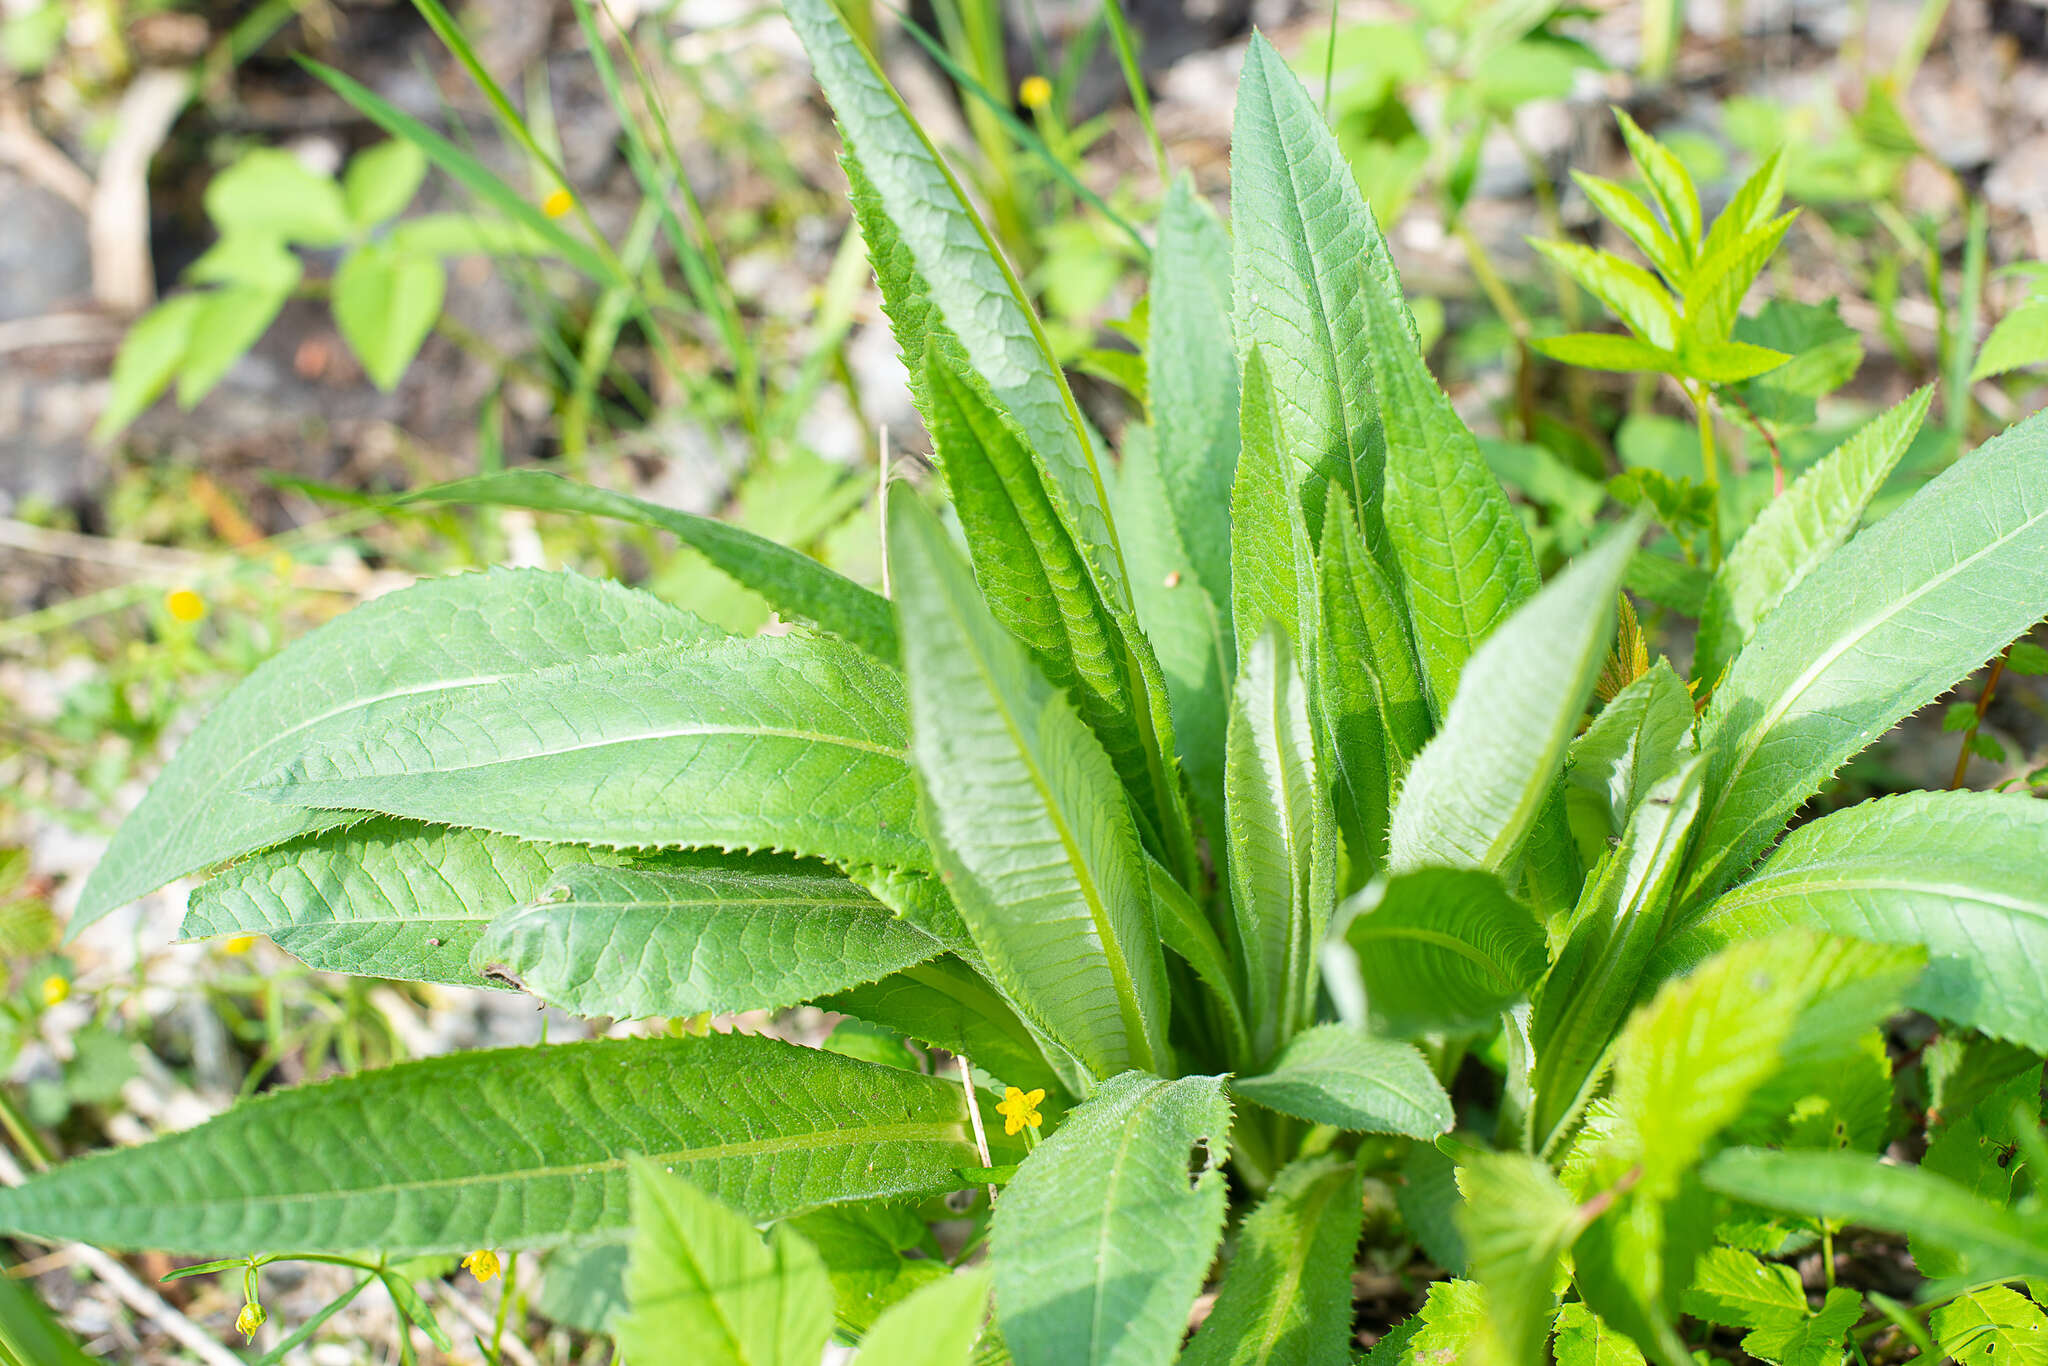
[1438,939]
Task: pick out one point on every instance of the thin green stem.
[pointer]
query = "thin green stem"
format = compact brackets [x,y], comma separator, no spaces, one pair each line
[25,1137]
[1126,44]
[1710,470]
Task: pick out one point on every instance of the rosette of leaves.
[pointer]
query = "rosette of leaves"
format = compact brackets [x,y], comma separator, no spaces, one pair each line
[1228,790]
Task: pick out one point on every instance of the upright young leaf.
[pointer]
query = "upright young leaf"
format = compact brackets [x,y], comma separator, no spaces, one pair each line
[1475,791]
[668,941]
[382,898]
[1619,205]
[1444,950]
[792,582]
[1883,626]
[704,1286]
[1366,638]
[1518,1223]
[1465,560]
[1103,1237]
[1636,741]
[1962,874]
[1669,185]
[790,742]
[1034,577]
[440,637]
[1026,815]
[1286,1300]
[1181,619]
[970,286]
[1282,873]
[1333,1074]
[1191,381]
[522,1147]
[1300,230]
[1797,532]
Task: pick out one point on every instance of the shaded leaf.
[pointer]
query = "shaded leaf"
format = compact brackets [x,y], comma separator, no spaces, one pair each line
[1335,1075]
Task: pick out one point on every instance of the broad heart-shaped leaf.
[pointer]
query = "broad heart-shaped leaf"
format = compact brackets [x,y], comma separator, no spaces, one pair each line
[1465,559]
[1333,1074]
[1183,623]
[1444,950]
[382,898]
[440,637]
[1191,382]
[1996,1326]
[943,1002]
[1964,874]
[1281,842]
[385,305]
[1475,791]
[1300,230]
[1856,1188]
[635,942]
[1104,1235]
[1026,815]
[791,581]
[522,1147]
[935,1326]
[790,742]
[706,1289]
[1286,1300]
[1795,533]
[1035,581]
[1883,626]
[968,283]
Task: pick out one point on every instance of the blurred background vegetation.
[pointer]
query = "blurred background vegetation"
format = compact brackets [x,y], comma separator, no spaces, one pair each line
[265,264]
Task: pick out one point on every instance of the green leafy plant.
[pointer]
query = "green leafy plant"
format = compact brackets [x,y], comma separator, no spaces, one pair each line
[1216,807]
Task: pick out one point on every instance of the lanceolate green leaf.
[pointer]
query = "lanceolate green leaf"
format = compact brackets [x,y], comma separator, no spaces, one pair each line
[1445,950]
[1475,791]
[1366,635]
[1518,1223]
[1182,621]
[513,1148]
[1635,742]
[1272,557]
[1336,1075]
[1882,627]
[1104,1236]
[1027,817]
[1033,576]
[704,1286]
[635,942]
[1797,532]
[793,742]
[443,637]
[970,285]
[383,898]
[1286,1300]
[1465,559]
[1300,230]
[792,582]
[1191,381]
[1964,874]
[1852,1189]
[1282,873]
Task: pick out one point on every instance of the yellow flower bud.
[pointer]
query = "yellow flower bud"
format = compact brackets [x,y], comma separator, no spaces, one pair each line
[184,605]
[56,989]
[250,1319]
[557,203]
[482,1264]
[1035,92]
[240,944]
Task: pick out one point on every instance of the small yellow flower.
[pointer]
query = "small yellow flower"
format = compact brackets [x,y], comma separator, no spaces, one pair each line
[250,1319]
[184,605]
[1020,1108]
[56,989]
[1035,92]
[482,1264]
[240,944]
[557,203]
